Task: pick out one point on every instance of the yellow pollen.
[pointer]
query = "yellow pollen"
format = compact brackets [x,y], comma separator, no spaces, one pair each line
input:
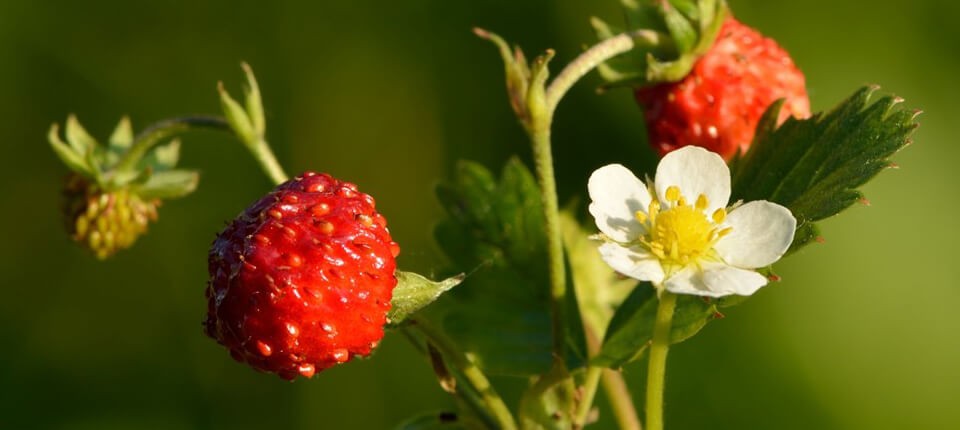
[681,234]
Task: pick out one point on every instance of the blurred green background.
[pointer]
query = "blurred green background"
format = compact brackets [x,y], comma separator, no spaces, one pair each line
[862,332]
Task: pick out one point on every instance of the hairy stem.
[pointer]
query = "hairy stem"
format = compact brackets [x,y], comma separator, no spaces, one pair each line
[593,57]
[460,361]
[161,130]
[657,365]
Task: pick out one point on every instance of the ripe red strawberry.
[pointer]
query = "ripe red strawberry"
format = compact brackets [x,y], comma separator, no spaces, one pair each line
[302,279]
[718,104]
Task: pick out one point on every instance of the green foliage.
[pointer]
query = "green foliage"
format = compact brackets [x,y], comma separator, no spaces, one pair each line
[502,312]
[814,166]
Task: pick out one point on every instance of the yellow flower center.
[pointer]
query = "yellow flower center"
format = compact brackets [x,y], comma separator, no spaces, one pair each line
[682,233]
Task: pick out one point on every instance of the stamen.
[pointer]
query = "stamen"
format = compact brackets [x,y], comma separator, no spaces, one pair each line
[640,216]
[724,232]
[653,210]
[719,215]
[702,202]
[673,193]
[681,201]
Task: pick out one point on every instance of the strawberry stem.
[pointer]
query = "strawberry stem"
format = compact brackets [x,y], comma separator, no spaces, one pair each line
[161,130]
[473,375]
[657,366]
[595,56]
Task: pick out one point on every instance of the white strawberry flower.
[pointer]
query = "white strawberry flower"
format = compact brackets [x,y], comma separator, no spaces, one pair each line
[679,233]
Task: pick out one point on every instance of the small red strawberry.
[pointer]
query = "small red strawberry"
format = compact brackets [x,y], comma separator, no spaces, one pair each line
[718,103]
[302,279]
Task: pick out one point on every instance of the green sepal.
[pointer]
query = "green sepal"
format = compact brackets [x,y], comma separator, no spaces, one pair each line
[253,101]
[815,166]
[689,28]
[163,157]
[516,70]
[236,116]
[414,292]
[68,154]
[631,328]
[122,136]
[168,184]
[79,138]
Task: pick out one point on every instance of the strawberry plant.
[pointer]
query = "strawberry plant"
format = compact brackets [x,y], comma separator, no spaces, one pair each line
[306,277]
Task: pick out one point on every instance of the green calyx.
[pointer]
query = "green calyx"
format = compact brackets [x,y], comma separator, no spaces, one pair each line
[687,29]
[114,190]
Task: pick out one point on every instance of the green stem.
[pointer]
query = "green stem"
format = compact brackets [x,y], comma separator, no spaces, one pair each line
[471,373]
[543,163]
[162,130]
[593,57]
[591,381]
[261,151]
[620,400]
[657,365]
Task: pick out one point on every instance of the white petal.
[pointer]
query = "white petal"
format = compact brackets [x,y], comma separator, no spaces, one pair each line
[634,262]
[616,195]
[695,171]
[762,232]
[715,280]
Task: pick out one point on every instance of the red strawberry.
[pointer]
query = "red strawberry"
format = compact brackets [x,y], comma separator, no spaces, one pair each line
[302,279]
[718,104]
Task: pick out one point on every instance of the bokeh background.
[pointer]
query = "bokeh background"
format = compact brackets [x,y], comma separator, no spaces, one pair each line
[862,332]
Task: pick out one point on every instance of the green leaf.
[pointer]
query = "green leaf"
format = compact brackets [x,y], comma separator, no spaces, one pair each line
[815,166]
[168,185]
[631,328]
[413,292]
[502,312]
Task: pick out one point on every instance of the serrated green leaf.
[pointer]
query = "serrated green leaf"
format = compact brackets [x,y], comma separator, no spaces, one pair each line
[502,312]
[631,328]
[815,166]
[168,185]
[413,292]
[68,154]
